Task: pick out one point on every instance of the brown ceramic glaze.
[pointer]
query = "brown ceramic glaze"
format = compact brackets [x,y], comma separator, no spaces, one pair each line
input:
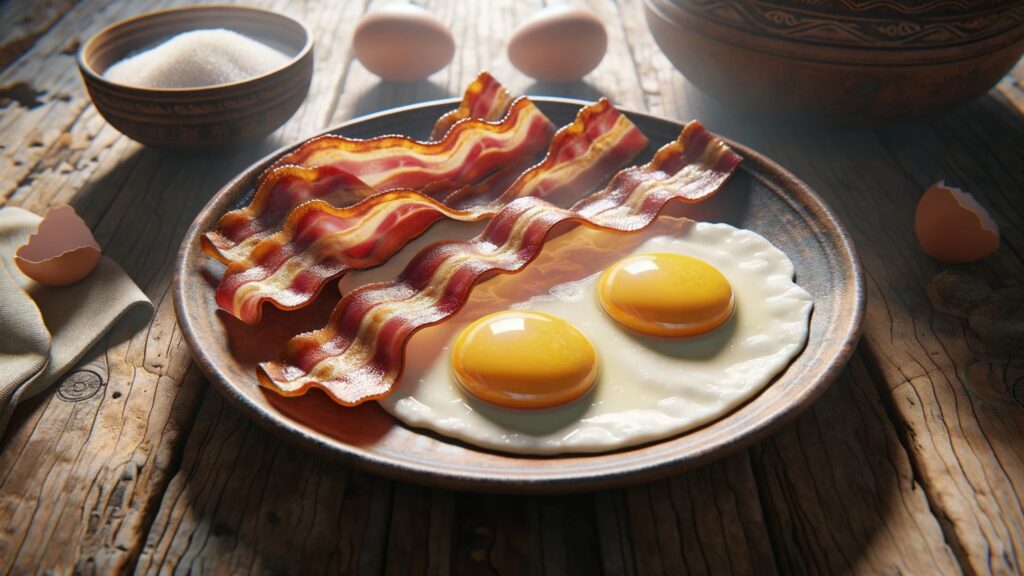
[761,196]
[199,117]
[843,59]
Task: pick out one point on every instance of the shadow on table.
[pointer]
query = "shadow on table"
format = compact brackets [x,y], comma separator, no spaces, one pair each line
[140,208]
[988,111]
[580,90]
[384,95]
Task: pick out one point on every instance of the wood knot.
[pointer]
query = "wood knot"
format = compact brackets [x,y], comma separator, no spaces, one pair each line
[79,385]
[21,93]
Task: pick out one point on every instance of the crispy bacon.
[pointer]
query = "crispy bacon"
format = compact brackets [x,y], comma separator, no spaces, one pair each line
[485,99]
[320,242]
[358,356]
[470,150]
[491,132]
[284,188]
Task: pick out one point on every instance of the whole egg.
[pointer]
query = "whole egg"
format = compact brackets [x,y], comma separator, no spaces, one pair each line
[402,42]
[558,44]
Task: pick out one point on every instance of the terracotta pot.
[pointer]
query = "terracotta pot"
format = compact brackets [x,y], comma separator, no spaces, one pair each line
[841,59]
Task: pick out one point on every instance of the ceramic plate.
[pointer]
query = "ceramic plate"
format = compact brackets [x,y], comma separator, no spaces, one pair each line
[762,197]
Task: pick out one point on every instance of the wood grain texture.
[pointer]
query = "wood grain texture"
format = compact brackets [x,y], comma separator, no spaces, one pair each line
[245,503]
[24,22]
[911,463]
[1012,86]
[842,465]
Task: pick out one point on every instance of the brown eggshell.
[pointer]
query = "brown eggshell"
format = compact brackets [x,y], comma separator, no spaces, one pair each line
[558,44]
[402,42]
[63,250]
[952,227]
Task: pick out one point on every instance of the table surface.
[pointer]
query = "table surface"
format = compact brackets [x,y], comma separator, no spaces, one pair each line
[911,463]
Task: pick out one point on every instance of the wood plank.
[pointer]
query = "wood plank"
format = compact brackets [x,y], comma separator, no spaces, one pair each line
[708,521]
[24,23]
[840,494]
[1012,86]
[419,535]
[83,480]
[525,535]
[37,132]
[244,502]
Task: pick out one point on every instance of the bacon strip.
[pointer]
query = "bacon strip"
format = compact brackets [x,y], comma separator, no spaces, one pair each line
[320,242]
[471,149]
[342,170]
[485,99]
[284,188]
[358,356]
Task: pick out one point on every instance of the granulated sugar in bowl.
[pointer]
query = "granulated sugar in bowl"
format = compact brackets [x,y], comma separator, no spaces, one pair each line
[196,59]
[198,77]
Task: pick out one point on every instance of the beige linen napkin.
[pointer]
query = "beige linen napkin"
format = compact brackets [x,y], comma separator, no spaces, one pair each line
[46,330]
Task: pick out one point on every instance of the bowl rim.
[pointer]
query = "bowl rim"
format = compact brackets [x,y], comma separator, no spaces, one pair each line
[841,53]
[93,76]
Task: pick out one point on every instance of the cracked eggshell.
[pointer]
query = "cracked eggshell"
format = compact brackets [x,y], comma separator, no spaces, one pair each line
[61,252]
[951,226]
[558,44]
[402,42]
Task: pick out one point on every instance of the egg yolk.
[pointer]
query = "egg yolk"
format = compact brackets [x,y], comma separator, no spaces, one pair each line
[666,295]
[520,359]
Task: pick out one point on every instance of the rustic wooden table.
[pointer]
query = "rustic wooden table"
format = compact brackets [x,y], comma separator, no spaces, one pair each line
[913,462]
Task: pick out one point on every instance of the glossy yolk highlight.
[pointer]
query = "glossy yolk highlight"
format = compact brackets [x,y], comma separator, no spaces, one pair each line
[666,295]
[520,359]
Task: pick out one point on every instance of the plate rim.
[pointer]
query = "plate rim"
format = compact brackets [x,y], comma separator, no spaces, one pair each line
[365,459]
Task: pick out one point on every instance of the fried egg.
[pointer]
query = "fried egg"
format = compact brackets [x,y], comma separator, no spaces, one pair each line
[523,359]
[608,341]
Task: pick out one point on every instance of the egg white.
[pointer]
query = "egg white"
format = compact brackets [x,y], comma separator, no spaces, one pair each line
[648,388]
